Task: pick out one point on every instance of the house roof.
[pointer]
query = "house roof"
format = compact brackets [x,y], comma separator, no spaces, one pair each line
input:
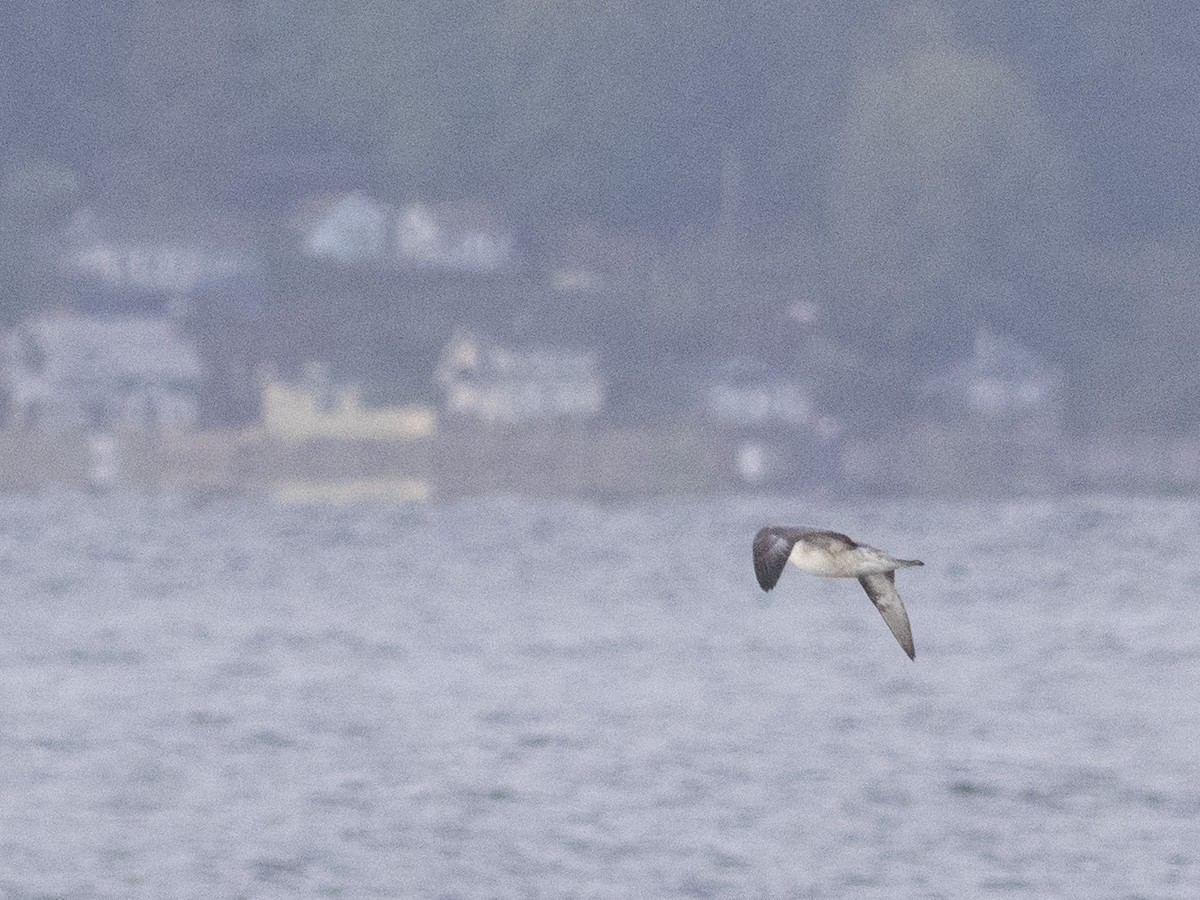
[467,352]
[124,348]
[467,235]
[155,247]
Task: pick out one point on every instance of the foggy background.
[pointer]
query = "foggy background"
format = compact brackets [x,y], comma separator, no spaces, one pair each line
[915,172]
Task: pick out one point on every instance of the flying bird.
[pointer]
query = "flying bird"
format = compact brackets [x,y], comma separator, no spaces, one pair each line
[834,555]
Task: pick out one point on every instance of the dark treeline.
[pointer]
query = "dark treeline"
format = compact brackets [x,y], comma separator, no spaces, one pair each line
[918,173]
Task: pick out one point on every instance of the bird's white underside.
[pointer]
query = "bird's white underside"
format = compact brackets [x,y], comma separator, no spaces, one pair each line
[849,563]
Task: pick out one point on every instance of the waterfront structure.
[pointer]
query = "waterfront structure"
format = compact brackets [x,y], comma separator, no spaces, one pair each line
[70,371]
[316,407]
[488,382]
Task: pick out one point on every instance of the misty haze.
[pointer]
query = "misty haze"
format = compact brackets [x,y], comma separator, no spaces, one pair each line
[389,394]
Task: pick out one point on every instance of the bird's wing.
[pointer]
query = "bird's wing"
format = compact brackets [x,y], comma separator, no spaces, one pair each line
[882,591]
[772,547]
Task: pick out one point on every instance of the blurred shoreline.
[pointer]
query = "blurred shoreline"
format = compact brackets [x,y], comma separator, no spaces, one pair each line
[595,462]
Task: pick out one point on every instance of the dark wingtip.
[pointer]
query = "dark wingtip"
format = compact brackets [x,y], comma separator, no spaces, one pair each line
[768,562]
[763,576]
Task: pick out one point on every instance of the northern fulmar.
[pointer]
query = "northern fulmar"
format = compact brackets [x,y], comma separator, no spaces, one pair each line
[834,555]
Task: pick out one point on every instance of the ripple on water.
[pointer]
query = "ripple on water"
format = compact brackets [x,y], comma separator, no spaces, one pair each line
[225,699]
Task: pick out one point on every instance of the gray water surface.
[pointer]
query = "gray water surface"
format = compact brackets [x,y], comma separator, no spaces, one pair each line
[504,698]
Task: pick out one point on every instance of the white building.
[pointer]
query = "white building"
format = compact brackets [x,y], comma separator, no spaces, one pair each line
[75,371]
[168,251]
[462,236]
[747,394]
[491,383]
[451,236]
[352,228]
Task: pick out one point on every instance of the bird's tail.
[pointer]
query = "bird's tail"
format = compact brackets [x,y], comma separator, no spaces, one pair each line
[905,563]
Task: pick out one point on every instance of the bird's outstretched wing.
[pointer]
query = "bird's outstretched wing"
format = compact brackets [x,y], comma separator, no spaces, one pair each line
[772,546]
[882,591]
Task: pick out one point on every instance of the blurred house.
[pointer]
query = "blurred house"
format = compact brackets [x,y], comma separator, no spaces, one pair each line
[748,394]
[321,444]
[348,228]
[151,258]
[462,236]
[453,236]
[991,424]
[1000,382]
[74,371]
[194,264]
[317,408]
[487,382]
[782,436]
